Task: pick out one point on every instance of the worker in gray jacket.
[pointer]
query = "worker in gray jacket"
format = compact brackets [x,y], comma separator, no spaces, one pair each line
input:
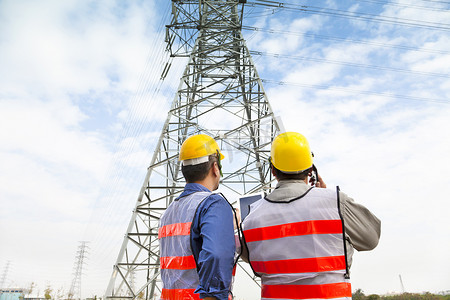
[300,238]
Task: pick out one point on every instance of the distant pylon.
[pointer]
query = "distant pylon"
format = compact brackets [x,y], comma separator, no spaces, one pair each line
[80,257]
[401,283]
[4,275]
[220,94]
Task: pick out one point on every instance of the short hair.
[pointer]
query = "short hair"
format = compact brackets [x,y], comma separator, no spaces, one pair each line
[194,173]
[280,175]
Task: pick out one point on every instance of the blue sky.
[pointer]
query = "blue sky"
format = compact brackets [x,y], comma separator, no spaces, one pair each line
[81,105]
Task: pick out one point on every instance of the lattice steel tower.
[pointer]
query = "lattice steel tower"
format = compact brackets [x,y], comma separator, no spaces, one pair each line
[220,94]
[4,275]
[80,260]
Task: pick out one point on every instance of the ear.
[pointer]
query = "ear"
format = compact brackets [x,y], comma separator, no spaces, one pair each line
[215,169]
[273,171]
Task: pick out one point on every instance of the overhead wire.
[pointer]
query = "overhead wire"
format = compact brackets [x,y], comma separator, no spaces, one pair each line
[398,4]
[395,4]
[436,1]
[263,12]
[363,92]
[355,15]
[342,39]
[133,127]
[149,90]
[350,64]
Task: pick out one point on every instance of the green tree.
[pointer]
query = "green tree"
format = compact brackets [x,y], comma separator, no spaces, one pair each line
[358,295]
[60,293]
[411,296]
[31,288]
[48,292]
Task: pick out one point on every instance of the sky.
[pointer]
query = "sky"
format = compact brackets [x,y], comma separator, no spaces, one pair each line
[81,104]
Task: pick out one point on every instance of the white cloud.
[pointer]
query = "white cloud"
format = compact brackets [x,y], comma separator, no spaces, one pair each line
[68,69]
[71,46]
[286,43]
[440,64]
[312,74]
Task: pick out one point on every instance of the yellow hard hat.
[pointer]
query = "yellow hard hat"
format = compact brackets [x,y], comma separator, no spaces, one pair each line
[290,153]
[197,148]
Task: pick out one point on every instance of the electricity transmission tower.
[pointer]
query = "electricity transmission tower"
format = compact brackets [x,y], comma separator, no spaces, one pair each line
[80,257]
[220,94]
[401,284]
[4,275]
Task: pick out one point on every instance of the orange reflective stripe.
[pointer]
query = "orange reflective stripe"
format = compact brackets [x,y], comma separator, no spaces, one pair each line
[301,265]
[293,229]
[178,262]
[179,294]
[174,229]
[323,291]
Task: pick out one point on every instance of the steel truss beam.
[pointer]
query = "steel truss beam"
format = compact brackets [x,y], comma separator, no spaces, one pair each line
[220,94]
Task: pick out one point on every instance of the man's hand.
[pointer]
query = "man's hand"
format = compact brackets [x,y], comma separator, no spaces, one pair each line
[238,217]
[320,183]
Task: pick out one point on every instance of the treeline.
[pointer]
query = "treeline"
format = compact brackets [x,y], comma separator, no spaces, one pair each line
[359,295]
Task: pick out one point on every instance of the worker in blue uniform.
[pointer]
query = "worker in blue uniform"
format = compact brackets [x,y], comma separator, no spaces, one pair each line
[196,234]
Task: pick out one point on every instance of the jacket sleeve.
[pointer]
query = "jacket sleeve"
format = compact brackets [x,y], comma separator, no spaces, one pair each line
[363,228]
[217,246]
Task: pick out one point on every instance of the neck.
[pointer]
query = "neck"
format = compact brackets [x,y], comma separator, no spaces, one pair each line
[286,179]
[211,181]
[208,183]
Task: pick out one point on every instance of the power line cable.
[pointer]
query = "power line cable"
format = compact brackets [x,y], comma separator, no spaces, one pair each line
[342,39]
[150,87]
[355,15]
[350,64]
[397,4]
[133,126]
[362,92]
[435,1]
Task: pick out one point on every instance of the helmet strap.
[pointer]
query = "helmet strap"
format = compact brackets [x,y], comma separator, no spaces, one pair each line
[219,163]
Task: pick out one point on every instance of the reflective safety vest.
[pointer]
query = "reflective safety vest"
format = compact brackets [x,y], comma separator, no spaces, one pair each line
[298,247]
[177,263]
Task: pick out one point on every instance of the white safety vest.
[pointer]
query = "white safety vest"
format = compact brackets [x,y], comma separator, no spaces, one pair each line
[297,247]
[177,263]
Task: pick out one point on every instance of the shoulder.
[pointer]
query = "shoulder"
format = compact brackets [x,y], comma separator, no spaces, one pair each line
[213,201]
[324,192]
[214,198]
[348,204]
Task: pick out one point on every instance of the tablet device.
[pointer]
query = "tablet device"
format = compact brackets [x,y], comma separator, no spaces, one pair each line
[245,201]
